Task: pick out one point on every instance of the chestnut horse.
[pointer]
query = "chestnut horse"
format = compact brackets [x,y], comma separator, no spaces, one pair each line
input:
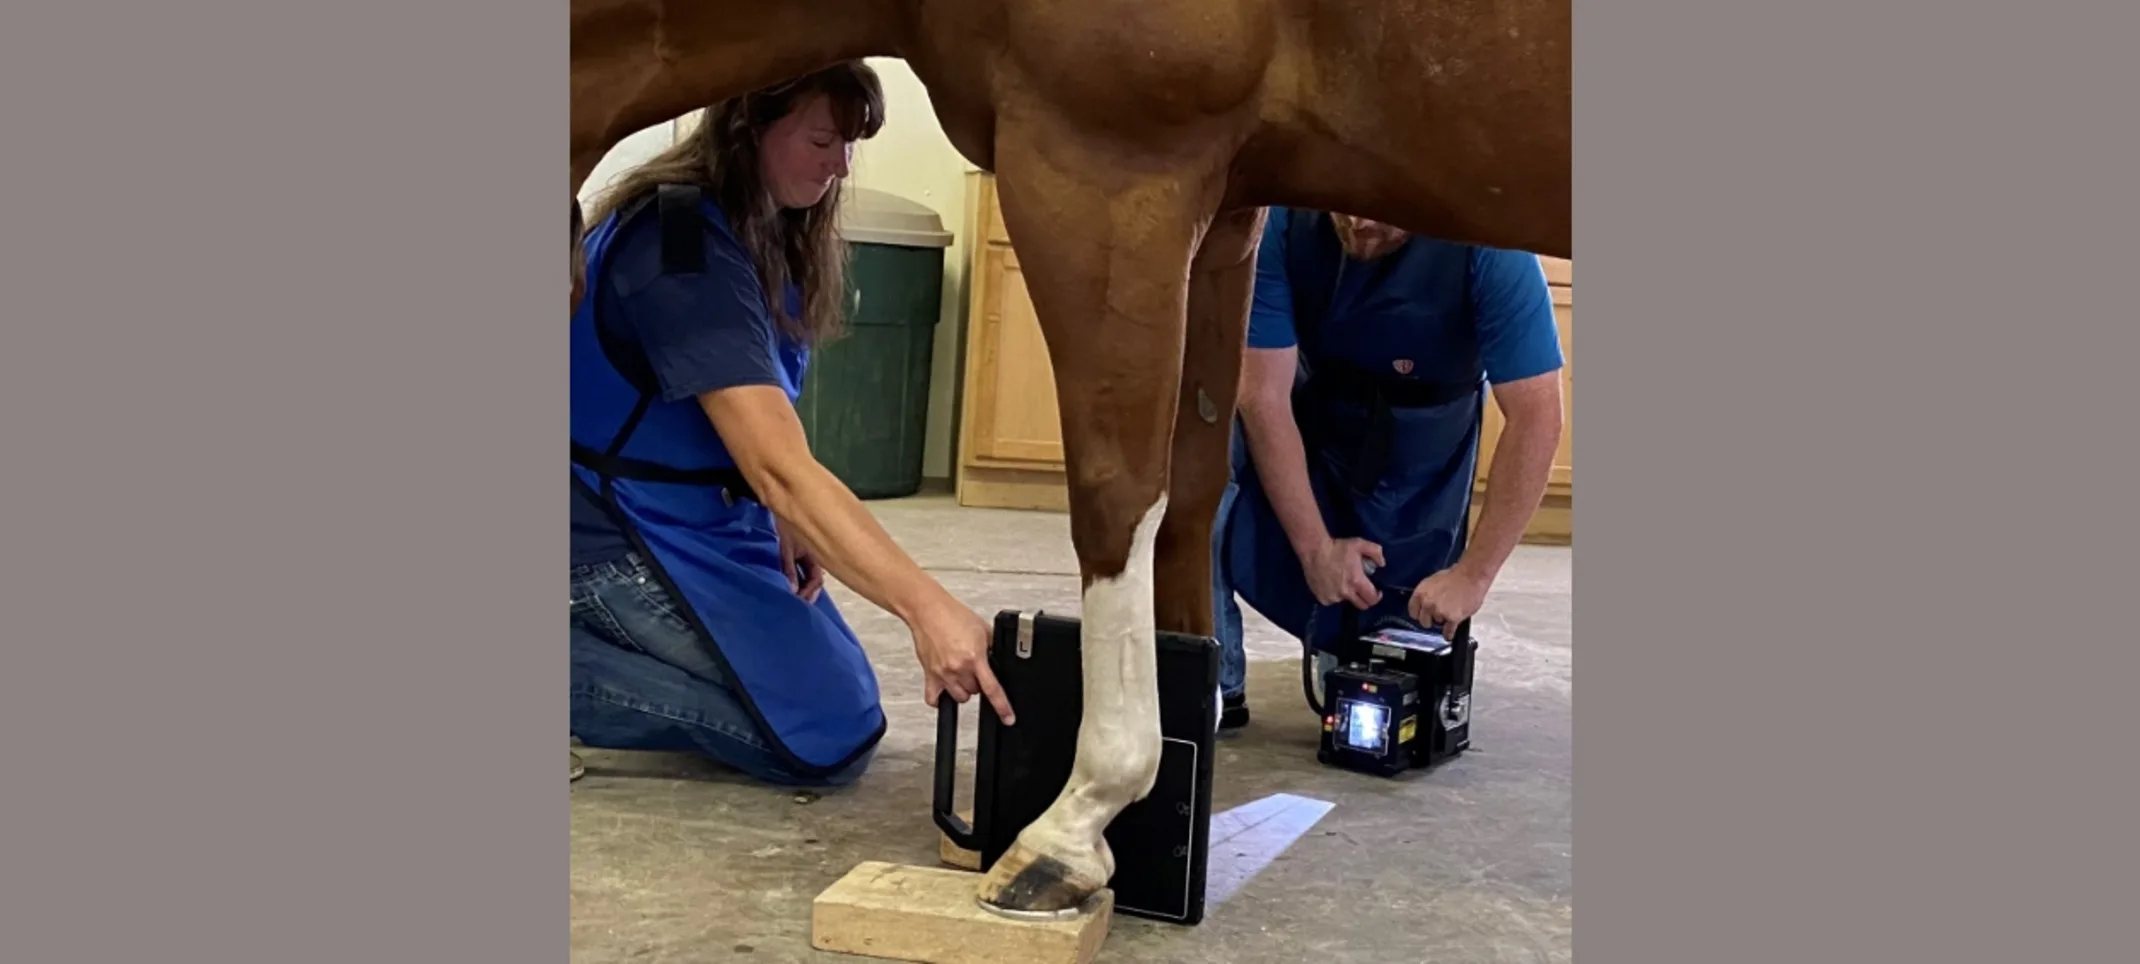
[1135,144]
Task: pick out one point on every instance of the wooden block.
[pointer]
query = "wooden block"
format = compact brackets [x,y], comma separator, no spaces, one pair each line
[954,855]
[929,915]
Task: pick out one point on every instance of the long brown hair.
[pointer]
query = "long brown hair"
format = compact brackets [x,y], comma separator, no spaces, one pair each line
[722,155]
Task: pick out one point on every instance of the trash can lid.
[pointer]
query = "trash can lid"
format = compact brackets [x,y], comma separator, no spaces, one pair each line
[870,216]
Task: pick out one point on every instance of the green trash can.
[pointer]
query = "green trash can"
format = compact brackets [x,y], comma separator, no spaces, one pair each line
[865,399]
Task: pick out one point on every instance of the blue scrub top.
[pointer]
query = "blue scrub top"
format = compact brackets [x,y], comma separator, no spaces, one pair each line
[701,332]
[1426,304]
[1441,316]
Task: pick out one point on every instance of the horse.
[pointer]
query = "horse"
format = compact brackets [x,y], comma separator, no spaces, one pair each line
[1136,145]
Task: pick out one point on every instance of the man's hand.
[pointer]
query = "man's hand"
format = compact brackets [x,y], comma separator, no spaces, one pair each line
[1447,598]
[951,642]
[1337,572]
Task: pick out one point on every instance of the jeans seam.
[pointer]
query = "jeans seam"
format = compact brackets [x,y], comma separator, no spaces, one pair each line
[676,716]
[604,623]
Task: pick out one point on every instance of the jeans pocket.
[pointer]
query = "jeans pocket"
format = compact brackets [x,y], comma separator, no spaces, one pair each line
[651,620]
[651,596]
[603,604]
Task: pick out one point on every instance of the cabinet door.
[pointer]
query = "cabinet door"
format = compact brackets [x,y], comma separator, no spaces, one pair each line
[1014,415]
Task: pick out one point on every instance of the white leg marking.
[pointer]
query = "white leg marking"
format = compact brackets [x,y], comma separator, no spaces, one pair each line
[1118,738]
[1118,735]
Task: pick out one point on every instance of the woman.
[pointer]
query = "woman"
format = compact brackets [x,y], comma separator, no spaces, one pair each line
[701,524]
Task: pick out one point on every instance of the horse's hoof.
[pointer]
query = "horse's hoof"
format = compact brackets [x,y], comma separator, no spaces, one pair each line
[1028,887]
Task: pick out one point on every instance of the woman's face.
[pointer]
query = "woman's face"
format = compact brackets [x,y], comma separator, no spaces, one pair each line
[803,154]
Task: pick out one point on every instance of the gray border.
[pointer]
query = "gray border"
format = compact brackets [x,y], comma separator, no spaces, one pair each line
[284,672]
[1857,498]
[285,382]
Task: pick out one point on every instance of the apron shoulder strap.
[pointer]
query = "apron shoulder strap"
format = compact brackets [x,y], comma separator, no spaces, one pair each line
[683,228]
[683,252]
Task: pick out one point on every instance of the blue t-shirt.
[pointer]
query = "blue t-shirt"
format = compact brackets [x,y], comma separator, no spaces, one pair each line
[1398,308]
[701,332]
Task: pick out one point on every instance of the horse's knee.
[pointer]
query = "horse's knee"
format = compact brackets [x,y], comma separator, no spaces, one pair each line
[1112,503]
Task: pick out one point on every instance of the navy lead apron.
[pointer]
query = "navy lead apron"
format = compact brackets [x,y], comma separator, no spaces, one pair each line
[1391,456]
[661,472]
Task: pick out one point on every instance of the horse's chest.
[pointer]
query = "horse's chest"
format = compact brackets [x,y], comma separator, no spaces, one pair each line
[1112,64]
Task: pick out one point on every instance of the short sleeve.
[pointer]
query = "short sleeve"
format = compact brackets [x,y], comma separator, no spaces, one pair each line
[1270,313]
[1518,336]
[702,331]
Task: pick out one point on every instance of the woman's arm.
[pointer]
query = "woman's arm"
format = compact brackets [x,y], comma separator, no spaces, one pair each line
[760,428]
[707,336]
[762,432]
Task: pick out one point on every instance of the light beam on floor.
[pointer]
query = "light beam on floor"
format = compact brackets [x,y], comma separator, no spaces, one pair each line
[1245,839]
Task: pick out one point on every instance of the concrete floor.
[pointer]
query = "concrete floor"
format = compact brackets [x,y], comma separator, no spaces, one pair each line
[675,860]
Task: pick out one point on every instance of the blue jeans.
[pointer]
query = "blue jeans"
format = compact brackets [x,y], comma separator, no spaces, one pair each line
[1233,657]
[643,679]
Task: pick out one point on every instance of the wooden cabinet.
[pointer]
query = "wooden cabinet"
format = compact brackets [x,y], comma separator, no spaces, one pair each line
[1010,450]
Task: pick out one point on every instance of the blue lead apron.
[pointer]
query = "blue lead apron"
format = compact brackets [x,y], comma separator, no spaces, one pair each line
[1391,458]
[660,470]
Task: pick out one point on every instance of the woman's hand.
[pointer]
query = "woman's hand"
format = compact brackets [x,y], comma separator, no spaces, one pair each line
[804,574]
[951,641]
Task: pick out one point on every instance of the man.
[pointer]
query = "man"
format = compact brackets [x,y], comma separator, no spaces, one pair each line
[1370,354]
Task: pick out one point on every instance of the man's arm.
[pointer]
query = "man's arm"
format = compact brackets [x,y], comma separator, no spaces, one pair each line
[1519,342]
[1275,448]
[1332,566]
[1516,481]
[1274,445]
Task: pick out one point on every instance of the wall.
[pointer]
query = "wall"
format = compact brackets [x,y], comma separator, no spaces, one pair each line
[629,153]
[911,158]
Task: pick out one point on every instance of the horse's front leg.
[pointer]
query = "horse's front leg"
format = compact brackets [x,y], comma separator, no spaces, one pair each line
[1105,244]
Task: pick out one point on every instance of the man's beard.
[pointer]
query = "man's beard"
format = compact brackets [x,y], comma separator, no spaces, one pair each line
[1366,240]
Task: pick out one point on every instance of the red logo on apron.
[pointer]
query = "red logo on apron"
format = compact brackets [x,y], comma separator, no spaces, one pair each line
[1402,365]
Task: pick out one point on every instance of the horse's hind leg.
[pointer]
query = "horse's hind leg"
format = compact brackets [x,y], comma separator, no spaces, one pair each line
[1105,244]
[1221,284]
